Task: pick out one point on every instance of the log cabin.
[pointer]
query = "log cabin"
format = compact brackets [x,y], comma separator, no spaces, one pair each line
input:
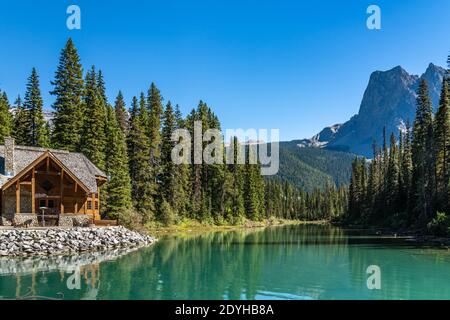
[41,186]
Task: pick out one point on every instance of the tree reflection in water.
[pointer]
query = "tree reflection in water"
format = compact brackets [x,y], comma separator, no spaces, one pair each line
[287,262]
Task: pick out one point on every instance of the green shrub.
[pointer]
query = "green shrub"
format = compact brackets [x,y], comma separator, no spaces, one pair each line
[168,216]
[440,225]
[130,219]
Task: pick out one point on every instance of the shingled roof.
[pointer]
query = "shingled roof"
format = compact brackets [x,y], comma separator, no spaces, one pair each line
[78,164]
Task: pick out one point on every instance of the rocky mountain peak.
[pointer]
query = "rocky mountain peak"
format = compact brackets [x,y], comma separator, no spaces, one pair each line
[388,101]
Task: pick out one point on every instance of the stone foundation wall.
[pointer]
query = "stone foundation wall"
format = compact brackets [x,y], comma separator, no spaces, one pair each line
[9,198]
[31,220]
[9,206]
[75,220]
[5,222]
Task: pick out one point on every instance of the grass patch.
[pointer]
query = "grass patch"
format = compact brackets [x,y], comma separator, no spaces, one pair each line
[194,226]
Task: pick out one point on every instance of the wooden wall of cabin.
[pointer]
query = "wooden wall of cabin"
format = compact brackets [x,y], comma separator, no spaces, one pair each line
[48,193]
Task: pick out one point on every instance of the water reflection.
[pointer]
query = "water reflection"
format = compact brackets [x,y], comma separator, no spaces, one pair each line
[289,262]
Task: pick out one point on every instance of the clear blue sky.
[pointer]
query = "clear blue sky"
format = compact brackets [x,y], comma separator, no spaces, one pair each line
[293,65]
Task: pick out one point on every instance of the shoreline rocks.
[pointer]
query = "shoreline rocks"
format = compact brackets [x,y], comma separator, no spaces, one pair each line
[56,241]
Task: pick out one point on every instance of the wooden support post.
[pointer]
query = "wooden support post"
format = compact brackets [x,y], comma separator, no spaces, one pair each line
[17,196]
[33,192]
[48,164]
[76,198]
[93,206]
[61,196]
[3,201]
[98,200]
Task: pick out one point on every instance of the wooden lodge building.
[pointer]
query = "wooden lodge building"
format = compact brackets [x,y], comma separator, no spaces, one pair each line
[48,187]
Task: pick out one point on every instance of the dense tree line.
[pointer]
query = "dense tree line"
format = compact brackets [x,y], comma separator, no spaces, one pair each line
[284,200]
[133,147]
[407,183]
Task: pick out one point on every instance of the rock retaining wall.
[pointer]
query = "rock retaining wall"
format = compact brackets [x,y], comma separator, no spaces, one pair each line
[24,242]
[65,220]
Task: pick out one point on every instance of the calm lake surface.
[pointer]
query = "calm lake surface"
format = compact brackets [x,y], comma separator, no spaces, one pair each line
[287,262]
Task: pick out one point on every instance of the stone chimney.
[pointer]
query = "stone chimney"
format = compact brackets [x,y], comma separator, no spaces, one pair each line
[9,156]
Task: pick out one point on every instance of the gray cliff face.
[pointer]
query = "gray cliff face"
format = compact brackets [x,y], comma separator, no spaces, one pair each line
[389,101]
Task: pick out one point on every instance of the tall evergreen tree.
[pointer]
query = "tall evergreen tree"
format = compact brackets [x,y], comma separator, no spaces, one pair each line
[405,170]
[68,89]
[119,182]
[140,173]
[234,186]
[21,125]
[372,187]
[253,190]
[101,86]
[442,149]
[153,130]
[357,190]
[37,134]
[5,117]
[168,180]
[422,156]
[121,112]
[182,177]
[155,108]
[143,112]
[93,140]
[392,192]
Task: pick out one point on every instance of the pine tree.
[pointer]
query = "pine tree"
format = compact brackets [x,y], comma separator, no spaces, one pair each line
[442,148]
[155,111]
[37,134]
[143,112]
[101,87]
[168,183]
[392,192]
[68,89]
[21,127]
[93,140]
[357,190]
[152,127]
[182,177]
[121,113]
[422,156]
[253,189]
[5,117]
[196,172]
[139,164]
[118,187]
[234,186]
[405,170]
[373,187]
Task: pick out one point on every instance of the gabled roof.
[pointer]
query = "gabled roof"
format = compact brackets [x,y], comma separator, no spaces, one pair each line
[80,166]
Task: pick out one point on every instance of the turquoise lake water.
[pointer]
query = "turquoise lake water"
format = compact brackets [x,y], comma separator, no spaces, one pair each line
[286,262]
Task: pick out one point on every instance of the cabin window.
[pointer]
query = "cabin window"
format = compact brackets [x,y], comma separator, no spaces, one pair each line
[89,205]
[46,203]
[96,205]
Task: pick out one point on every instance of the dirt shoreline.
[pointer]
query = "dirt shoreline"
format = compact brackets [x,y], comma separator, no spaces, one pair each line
[197,228]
